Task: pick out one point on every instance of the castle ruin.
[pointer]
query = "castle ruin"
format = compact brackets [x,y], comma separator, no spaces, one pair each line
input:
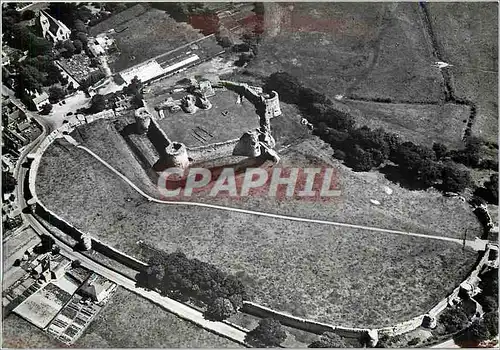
[142,120]
[176,156]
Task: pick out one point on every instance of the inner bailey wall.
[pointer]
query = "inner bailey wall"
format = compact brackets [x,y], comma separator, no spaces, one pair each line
[212,151]
[157,136]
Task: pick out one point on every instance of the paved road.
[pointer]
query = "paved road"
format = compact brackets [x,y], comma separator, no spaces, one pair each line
[476,244]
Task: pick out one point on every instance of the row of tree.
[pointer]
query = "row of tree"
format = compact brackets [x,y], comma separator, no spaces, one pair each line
[184,279]
[363,149]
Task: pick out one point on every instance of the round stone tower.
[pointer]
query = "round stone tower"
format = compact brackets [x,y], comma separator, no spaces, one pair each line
[188,104]
[272,102]
[176,156]
[142,120]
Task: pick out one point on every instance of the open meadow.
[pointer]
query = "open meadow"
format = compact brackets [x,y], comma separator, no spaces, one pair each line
[365,50]
[467,35]
[419,123]
[338,275]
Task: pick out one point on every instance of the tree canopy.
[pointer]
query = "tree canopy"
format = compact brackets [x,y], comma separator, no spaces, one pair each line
[268,334]
[329,340]
[186,279]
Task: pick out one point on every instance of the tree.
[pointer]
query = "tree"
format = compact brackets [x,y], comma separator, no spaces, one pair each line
[488,302]
[454,319]
[477,332]
[82,37]
[97,104]
[429,172]
[359,160]
[490,320]
[329,340]
[219,310]
[46,109]
[27,15]
[8,182]
[286,85]
[68,49]
[30,78]
[137,101]
[65,12]
[268,334]
[440,150]
[56,94]
[455,178]
[134,87]
[184,279]
[78,46]
[489,191]
[79,26]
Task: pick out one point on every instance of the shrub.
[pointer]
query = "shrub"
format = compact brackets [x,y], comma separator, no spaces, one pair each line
[454,319]
[414,342]
[455,178]
[268,334]
[219,310]
[489,191]
[329,340]
[56,94]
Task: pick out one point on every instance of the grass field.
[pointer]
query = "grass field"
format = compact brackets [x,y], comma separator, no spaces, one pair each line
[226,120]
[327,45]
[403,68]
[158,34]
[427,212]
[121,324]
[420,123]
[326,273]
[104,138]
[468,38]
[416,211]
[365,50]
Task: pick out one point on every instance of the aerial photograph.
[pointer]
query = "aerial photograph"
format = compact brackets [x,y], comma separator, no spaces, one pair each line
[249,174]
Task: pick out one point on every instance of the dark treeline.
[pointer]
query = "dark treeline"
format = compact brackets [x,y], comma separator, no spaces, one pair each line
[191,280]
[363,149]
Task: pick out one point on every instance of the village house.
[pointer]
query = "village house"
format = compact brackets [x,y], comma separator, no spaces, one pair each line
[40,99]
